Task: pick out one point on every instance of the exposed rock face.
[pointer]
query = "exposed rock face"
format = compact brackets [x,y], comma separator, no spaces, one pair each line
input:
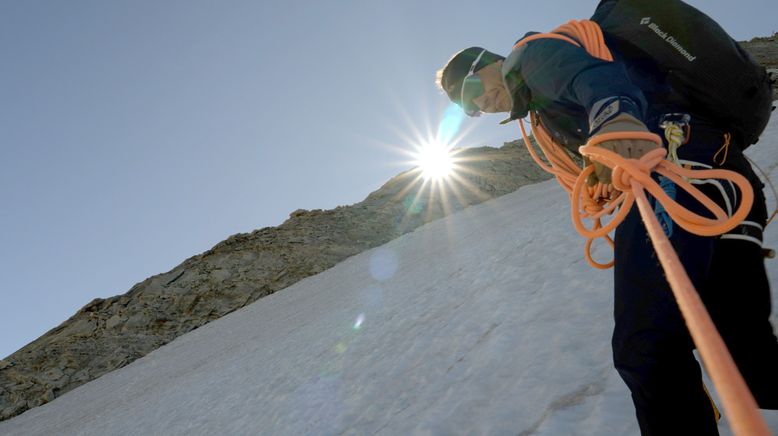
[765,51]
[108,334]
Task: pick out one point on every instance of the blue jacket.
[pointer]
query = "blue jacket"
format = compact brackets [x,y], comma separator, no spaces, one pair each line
[563,84]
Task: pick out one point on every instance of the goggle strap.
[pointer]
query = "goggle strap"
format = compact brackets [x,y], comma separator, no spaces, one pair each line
[475,62]
[469,73]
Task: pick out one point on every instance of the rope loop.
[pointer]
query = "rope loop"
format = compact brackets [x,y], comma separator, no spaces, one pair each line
[625,171]
[596,202]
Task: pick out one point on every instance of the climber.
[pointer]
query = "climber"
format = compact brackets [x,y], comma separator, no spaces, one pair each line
[576,96]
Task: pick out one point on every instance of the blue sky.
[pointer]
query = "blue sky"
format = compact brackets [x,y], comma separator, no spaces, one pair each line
[134,134]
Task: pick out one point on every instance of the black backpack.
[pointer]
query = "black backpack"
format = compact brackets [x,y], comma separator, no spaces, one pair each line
[701,60]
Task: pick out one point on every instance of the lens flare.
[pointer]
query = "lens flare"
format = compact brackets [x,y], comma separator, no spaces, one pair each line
[383,264]
[435,160]
[450,124]
[414,205]
[359,321]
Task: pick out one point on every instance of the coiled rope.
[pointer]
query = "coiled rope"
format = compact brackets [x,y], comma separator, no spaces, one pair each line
[630,179]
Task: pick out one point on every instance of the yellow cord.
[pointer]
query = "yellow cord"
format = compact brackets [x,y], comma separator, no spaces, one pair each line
[675,138]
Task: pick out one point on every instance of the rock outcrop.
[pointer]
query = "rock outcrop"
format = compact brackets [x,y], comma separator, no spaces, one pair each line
[765,51]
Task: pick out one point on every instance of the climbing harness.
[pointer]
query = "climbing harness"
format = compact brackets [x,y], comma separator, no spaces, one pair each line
[630,179]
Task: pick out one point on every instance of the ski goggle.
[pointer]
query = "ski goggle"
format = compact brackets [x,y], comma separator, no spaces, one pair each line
[472,88]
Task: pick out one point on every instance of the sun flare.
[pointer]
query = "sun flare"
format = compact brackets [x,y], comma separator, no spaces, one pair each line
[435,160]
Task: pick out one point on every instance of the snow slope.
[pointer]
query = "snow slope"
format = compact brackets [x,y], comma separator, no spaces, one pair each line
[485,322]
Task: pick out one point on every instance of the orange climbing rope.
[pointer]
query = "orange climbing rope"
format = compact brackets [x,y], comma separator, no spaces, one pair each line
[630,179]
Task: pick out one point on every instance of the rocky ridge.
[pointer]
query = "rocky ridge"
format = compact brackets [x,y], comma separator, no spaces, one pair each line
[765,51]
[107,334]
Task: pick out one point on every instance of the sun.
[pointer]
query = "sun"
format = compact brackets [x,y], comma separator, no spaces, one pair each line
[435,160]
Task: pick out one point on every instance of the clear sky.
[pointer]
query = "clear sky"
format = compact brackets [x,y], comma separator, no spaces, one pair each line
[134,134]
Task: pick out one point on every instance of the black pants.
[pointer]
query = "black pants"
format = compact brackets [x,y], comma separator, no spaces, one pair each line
[652,349]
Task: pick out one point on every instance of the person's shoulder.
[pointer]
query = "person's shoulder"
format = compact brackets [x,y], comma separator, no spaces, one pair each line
[525,35]
[541,50]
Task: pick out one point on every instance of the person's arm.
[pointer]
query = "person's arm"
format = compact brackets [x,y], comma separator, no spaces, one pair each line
[559,71]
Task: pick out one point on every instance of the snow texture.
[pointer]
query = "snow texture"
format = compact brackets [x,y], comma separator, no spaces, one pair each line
[487,322]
